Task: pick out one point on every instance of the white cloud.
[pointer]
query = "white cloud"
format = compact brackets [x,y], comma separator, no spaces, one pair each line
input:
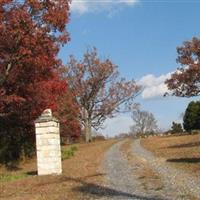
[79,7]
[88,6]
[130,2]
[153,86]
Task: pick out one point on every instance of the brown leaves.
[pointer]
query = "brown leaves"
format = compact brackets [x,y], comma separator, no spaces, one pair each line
[98,87]
[185,81]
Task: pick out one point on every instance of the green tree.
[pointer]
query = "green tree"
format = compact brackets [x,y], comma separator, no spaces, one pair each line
[176,128]
[191,119]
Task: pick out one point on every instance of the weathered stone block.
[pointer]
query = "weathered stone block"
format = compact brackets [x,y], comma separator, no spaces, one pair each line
[47,124]
[48,144]
[44,130]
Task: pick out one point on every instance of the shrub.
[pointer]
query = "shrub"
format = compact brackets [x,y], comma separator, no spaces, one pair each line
[74,148]
[68,153]
[176,128]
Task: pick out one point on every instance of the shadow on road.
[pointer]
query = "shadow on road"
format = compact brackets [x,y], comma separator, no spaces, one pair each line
[88,189]
[103,191]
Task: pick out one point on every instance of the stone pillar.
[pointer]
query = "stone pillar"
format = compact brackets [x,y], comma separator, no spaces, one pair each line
[48,144]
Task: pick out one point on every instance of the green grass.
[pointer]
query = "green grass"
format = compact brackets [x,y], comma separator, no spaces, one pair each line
[69,152]
[11,177]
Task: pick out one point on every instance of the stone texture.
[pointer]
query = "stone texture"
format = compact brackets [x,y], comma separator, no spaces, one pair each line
[48,144]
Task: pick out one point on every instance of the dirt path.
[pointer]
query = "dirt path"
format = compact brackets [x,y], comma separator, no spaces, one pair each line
[121,181]
[179,185]
[135,176]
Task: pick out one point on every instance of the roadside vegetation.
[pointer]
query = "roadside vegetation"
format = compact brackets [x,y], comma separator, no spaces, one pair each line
[68,152]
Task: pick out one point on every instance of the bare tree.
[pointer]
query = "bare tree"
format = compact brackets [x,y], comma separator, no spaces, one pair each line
[99,90]
[144,122]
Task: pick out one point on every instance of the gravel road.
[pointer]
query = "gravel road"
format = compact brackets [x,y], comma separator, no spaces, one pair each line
[178,184]
[122,183]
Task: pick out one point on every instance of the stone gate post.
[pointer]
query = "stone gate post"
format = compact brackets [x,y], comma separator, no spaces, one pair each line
[48,144]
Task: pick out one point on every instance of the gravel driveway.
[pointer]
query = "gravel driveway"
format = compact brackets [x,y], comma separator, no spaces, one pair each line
[178,184]
[122,183]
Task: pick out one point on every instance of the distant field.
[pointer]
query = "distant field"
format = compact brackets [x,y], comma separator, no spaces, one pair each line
[79,172]
[181,151]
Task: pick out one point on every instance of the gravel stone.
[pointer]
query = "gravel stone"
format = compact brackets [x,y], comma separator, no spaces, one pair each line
[178,184]
[122,183]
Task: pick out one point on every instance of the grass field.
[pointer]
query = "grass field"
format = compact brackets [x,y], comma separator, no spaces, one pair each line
[181,151]
[80,172]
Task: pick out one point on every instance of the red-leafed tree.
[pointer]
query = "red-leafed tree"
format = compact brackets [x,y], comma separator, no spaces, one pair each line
[31,33]
[185,82]
[68,113]
[99,90]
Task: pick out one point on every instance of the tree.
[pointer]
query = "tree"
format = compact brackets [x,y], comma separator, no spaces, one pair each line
[99,90]
[31,33]
[67,113]
[144,122]
[176,128]
[191,119]
[185,82]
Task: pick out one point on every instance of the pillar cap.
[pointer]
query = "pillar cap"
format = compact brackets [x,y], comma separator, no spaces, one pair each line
[46,116]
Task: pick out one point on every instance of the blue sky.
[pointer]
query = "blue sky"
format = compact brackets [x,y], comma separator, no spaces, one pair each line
[141,38]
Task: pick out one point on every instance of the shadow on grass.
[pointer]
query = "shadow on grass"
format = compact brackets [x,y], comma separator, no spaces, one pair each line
[31,173]
[93,190]
[103,191]
[184,160]
[13,168]
[192,144]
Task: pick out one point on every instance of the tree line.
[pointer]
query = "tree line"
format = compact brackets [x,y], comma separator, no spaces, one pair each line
[146,124]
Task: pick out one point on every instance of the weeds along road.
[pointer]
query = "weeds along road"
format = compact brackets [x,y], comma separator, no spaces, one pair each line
[135,173]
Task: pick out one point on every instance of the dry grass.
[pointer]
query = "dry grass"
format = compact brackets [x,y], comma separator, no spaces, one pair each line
[148,178]
[80,173]
[181,151]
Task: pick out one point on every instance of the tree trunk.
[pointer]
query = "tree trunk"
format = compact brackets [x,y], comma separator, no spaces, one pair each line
[88,131]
